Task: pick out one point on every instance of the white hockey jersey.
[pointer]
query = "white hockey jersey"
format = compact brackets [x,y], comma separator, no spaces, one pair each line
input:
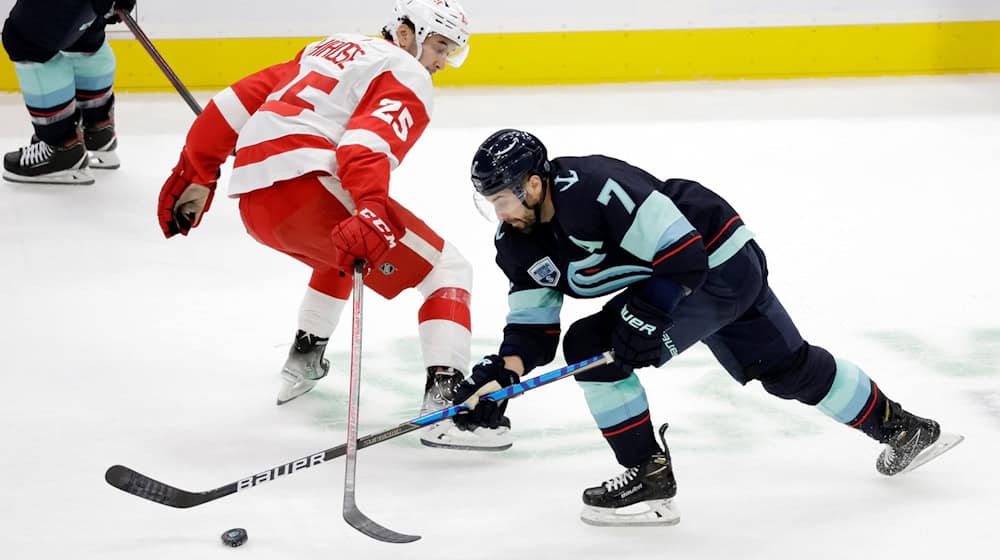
[350,106]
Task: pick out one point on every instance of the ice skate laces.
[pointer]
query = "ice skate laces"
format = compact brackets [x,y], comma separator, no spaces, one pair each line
[35,153]
[622,480]
[443,385]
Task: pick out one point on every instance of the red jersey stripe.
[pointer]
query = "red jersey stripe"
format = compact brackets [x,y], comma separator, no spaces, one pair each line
[249,155]
[677,250]
[721,231]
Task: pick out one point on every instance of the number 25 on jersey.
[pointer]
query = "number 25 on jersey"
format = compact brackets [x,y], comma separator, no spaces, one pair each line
[396,116]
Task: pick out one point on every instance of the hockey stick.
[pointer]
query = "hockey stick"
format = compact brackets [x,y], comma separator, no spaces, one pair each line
[143,39]
[353,515]
[138,484]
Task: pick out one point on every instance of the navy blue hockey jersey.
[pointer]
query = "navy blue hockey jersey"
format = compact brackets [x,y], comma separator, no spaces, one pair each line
[614,225]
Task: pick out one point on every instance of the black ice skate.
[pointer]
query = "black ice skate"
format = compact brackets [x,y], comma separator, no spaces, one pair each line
[40,162]
[911,441]
[641,495]
[102,143]
[438,392]
[304,367]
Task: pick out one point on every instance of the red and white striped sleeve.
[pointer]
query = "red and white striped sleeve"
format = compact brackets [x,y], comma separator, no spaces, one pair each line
[213,134]
[391,116]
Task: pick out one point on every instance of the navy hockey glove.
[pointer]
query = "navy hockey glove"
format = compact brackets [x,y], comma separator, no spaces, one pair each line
[111,17]
[637,337]
[486,413]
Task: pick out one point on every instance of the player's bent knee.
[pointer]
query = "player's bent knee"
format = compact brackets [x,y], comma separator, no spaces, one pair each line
[804,375]
[452,270]
[584,339]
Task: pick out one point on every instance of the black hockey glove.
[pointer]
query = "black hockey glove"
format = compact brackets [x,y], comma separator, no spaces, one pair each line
[637,338]
[487,413]
[126,6]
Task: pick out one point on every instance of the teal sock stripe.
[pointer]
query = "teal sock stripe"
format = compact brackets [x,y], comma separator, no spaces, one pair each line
[95,71]
[849,394]
[46,84]
[616,402]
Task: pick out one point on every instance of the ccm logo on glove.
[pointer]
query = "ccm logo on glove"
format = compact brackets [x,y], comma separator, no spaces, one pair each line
[379,225]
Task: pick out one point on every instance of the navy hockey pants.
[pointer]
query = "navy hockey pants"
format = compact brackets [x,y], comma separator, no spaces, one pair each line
[37,30]
[64,65]
[737,315]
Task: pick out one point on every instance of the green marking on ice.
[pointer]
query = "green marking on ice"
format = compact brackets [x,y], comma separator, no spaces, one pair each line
[978,355]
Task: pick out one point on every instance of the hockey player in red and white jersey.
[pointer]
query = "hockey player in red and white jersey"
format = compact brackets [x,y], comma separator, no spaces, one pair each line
[316,139]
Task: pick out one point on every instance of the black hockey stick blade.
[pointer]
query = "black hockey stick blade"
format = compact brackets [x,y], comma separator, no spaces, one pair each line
[135,483]
[140,485]
[355,518]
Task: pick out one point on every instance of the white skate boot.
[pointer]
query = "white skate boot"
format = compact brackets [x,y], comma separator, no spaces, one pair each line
[304,367]
[440,388]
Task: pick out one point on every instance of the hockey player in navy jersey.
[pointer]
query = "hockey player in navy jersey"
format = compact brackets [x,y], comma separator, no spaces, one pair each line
[685,268]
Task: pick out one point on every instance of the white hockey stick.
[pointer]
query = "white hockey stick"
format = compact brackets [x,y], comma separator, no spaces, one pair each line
[352,514]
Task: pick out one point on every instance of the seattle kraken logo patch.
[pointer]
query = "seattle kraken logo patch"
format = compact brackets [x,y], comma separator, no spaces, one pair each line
[544,272]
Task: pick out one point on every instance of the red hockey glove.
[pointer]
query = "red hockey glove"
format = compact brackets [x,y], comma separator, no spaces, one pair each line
[366,235]
[182,202]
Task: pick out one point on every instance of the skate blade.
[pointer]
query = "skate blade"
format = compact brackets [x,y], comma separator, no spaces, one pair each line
[104,160]
[463,447]
[68,177]
[652,513]
[292,391]
[944,443]
[447,435]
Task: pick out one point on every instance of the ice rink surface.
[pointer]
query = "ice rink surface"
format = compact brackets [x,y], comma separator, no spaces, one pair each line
[874,199]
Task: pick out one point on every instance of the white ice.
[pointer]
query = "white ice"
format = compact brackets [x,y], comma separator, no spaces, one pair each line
[875,200]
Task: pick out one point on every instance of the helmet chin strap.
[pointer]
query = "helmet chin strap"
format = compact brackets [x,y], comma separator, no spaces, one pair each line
[420,48]
[537,207]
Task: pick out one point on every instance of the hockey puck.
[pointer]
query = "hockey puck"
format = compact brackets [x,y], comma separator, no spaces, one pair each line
[234,537]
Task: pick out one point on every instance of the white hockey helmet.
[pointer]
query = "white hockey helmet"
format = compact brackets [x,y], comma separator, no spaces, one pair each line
[444,17]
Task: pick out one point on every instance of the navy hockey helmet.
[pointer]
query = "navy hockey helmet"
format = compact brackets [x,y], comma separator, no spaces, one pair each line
[506,159]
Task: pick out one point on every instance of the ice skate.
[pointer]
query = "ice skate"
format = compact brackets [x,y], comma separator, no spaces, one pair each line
[102,143]
[40,162]
[640,496]
[912,441]
[439,390]
[304,367]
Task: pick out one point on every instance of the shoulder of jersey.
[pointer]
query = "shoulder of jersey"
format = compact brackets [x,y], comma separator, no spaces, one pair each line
[573,175]
[393,58]
[582,164]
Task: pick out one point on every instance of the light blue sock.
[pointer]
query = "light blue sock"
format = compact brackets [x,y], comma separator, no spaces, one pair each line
[46,84]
